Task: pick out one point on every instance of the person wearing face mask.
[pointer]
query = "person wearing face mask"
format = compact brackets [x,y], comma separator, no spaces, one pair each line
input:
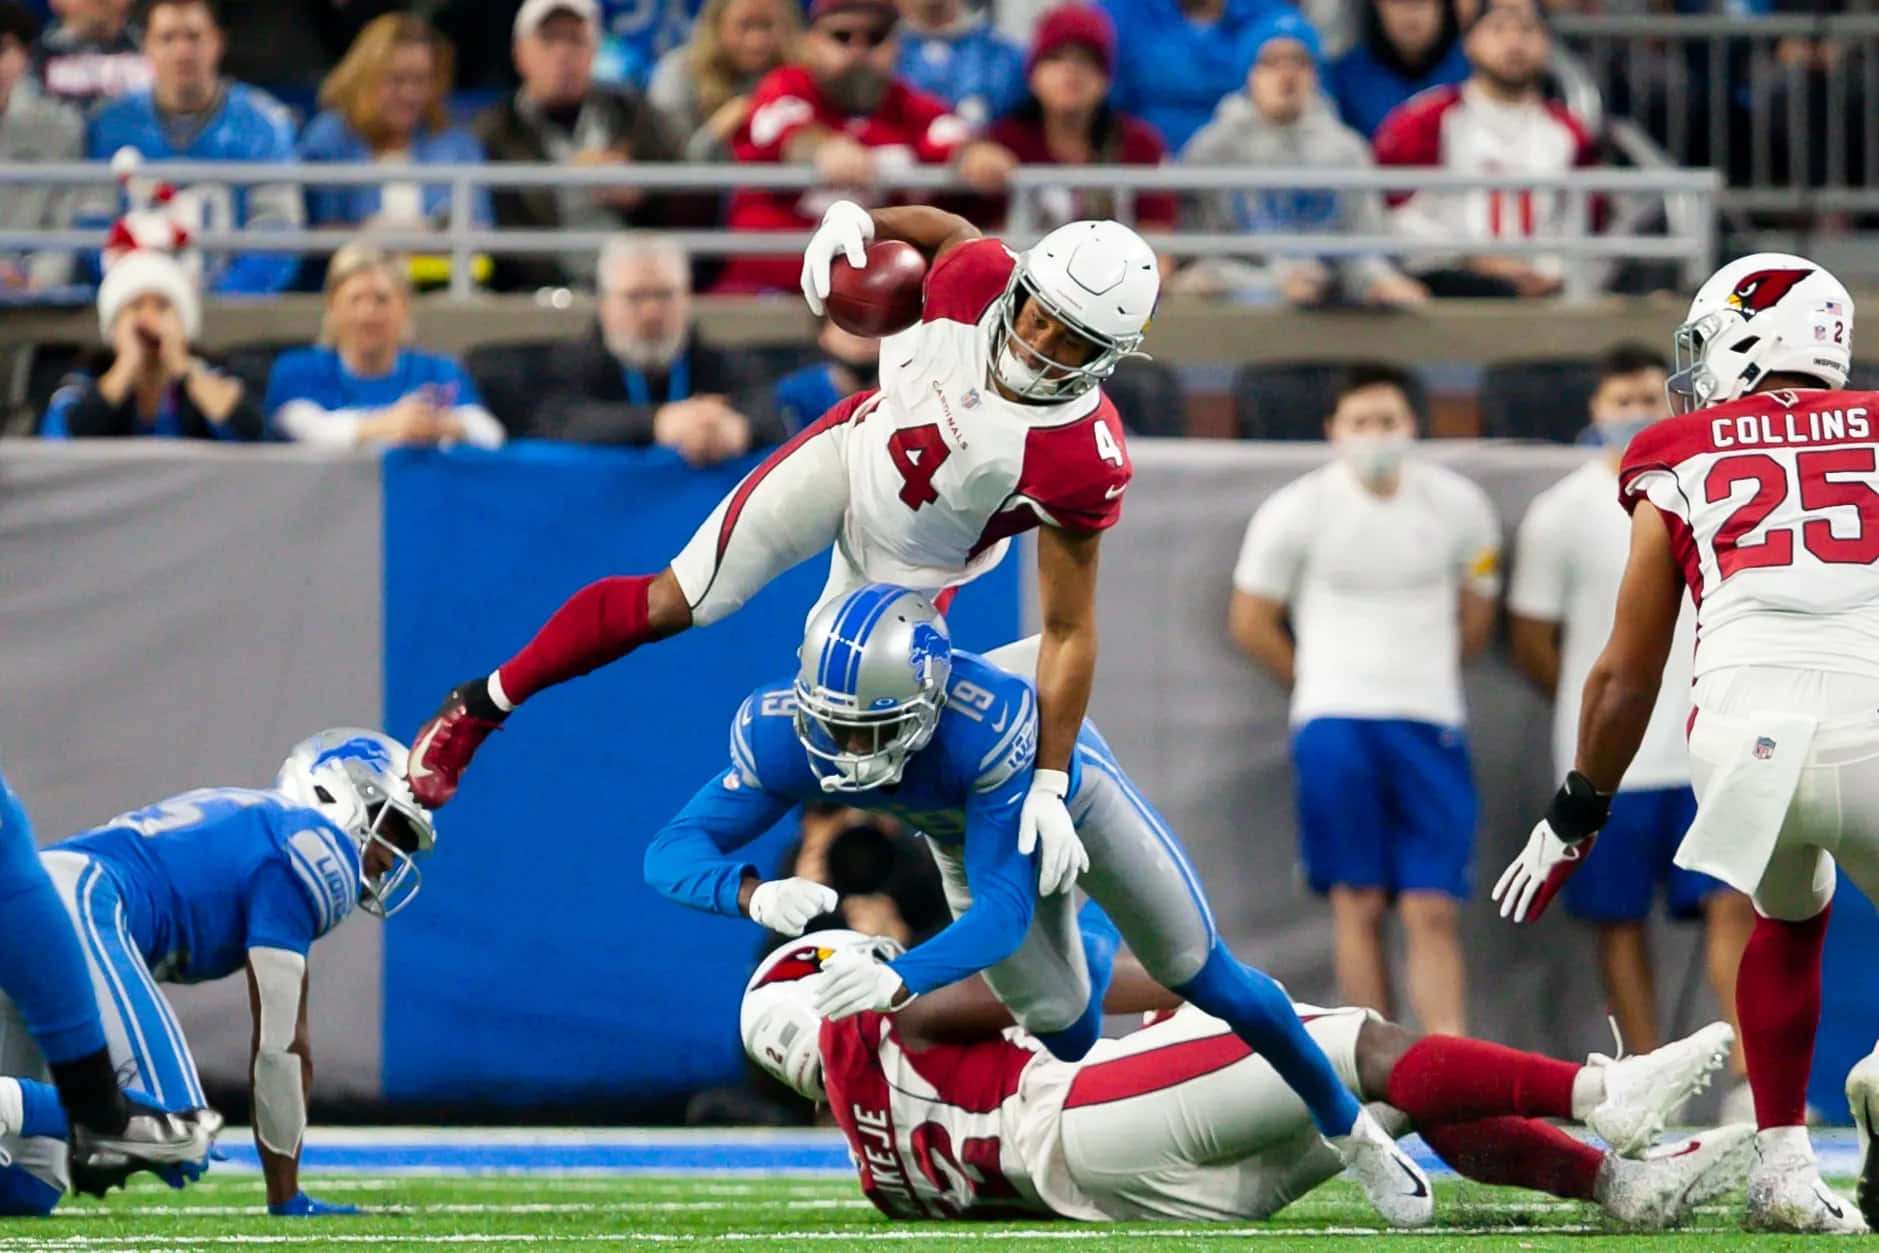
[1569,556]
[851,363]
[1388,567]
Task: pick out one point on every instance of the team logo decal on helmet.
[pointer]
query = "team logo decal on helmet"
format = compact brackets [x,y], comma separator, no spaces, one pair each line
[795,964]
[1764,289]
[926,647]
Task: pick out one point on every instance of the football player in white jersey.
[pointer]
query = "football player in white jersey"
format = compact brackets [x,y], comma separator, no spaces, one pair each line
[1760,499]
[951,1112]
[989,421]
[1568,558]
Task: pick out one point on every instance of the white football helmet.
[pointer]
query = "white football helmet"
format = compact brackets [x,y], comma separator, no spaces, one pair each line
[1759,315]
[356,778]
[1099,278]
[778,1021]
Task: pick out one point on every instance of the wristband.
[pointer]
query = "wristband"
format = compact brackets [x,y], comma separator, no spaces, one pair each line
[1578,808]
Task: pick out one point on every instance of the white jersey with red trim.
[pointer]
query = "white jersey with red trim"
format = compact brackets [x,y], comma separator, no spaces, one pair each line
[942,470]
[934,1133]
[1773,507]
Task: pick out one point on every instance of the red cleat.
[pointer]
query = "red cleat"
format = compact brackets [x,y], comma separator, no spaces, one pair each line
[443,747]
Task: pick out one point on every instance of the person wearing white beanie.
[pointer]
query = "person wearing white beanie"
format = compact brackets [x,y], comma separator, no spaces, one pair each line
[151,381]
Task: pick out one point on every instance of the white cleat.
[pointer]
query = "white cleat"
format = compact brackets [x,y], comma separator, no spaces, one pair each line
[1786,1194]
[1862,1097]
[1641,1091]
[1661,1188]
[1391,1180]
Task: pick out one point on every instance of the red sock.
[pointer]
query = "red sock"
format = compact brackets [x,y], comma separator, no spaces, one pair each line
[1446,1079]
[1518,1153]
[1777,999]
[602,622]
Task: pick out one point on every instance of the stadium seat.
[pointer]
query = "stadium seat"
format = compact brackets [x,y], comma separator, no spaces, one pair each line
[1149,397]
[1539,398]
[252,362]
[506,373]
[33,375]
[1284,400]
[1864,377]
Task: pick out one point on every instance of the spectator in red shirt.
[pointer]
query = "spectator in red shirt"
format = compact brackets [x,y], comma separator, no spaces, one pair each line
[1067,120]
[841,109]
[1497,122]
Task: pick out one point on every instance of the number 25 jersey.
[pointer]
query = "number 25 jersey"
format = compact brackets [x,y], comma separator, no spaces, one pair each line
[1772,502]
[942,470]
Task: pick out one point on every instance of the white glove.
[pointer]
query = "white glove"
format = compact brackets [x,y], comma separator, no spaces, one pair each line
[854,981]
[1045,826]
[1531,879]
[846,230]
[785,906]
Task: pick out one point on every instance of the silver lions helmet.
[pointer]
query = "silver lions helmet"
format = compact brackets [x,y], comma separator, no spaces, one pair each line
[872,682]
[356,778]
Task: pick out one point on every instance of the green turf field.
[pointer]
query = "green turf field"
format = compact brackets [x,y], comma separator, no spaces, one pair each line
[827,1215]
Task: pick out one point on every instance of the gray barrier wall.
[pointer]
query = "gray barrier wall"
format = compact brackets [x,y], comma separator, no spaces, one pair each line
[176,616]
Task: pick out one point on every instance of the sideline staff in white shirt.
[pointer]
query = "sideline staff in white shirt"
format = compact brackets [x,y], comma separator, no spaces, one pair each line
[1389,567]
[1569,558]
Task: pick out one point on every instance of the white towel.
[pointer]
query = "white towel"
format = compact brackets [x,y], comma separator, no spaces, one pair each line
[1755,766]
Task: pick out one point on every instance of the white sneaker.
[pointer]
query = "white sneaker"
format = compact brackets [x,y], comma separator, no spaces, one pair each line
[1392,1181]
[1640,1092]
[1660,1189]
[1862,1097]
[1786,1193]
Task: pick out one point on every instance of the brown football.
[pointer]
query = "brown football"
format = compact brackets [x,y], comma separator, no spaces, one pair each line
[882,297]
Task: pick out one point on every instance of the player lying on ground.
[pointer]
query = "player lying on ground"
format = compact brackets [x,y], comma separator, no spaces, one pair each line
[950,1115]
[200,886]
[989,421]
[42,973]
[1759,498]
[884,713]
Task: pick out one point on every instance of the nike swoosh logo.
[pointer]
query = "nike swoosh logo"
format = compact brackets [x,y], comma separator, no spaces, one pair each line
[1004,716]
[1420,1188]
[414,763]
[1112,492]
[1832,1206]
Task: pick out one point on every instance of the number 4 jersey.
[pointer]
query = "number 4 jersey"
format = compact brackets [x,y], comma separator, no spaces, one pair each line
[942,470]
[1774,519]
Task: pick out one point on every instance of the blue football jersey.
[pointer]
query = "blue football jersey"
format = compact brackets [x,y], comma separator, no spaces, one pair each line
[207,875]
[250,126]
[965,789]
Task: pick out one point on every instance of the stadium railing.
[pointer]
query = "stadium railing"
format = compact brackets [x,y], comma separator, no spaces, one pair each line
[1687,199]
[1717,90]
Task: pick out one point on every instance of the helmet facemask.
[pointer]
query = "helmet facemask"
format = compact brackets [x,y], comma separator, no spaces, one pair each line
[1031,375]
[385,827]
[1692,384]
[855,750]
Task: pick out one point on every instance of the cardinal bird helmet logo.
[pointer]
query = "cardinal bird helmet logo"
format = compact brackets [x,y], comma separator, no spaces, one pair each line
[1764,289]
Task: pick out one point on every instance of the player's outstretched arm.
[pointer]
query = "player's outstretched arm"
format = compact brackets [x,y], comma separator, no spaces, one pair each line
[282,1075]
[687,861]
[934,232]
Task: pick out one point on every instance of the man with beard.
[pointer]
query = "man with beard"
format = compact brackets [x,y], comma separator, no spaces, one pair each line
[841,109]
[1497,122]
[642,375]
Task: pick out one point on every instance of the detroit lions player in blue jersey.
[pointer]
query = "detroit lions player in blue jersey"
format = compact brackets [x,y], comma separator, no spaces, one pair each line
[198,887]
[885,713]
[42,973]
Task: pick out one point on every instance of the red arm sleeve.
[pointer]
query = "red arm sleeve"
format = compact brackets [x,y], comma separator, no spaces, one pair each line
[783,104]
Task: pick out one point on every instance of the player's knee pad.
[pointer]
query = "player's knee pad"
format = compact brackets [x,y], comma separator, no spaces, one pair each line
[24,1194]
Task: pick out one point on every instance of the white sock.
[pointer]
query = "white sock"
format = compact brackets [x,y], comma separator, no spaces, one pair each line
[12,1107]
[1784,1142]
[1588,1091]
[497,696]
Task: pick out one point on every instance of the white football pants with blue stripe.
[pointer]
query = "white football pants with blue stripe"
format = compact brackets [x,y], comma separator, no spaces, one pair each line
[140,1029]
[1138,874]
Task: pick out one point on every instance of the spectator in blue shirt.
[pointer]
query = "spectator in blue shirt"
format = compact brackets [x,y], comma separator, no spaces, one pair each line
[1179,58]
[189,113]
[151,380]
[954,52]
[851,363]
[363,387]
[1406,46]
[636,33]
[388,101]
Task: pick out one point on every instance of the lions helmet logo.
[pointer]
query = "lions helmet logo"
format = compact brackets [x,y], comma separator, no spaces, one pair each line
[1763,290]
[359,748]
[799,964]
[928,645]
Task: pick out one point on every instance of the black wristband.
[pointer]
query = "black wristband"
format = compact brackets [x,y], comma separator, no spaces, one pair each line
[1578,808]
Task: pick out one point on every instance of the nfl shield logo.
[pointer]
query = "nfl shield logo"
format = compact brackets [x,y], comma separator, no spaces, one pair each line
[971,399]
[1764,748]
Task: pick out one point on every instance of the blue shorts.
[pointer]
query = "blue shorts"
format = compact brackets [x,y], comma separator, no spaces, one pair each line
[1618,882]
[1384,803]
